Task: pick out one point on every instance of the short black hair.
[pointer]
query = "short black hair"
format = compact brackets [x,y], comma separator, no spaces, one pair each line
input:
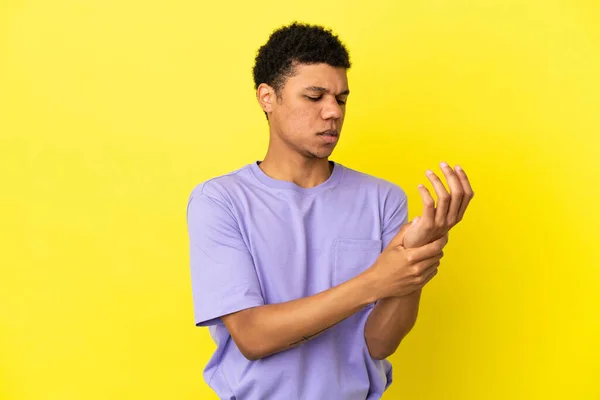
[297,43]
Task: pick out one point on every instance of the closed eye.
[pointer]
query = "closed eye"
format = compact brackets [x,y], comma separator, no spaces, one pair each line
[315,99]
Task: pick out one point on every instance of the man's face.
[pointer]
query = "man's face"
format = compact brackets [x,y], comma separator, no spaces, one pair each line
[308,114]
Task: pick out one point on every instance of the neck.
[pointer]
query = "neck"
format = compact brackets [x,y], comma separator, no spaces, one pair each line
[304,172]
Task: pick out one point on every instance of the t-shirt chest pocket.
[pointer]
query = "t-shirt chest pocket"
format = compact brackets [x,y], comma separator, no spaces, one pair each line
[353,256]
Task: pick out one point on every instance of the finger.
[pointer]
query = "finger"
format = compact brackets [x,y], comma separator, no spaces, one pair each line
[456,194]
[431,268]
[443,197]
[424,273]
[418,254]
[429,263]
[467,189]
[431,274]
[428,206]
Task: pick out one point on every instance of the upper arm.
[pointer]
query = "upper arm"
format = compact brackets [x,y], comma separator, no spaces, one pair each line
[224,279]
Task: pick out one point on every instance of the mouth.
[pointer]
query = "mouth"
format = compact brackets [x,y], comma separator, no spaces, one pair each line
[330,136]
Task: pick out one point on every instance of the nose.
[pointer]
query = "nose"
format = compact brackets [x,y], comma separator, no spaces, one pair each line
[332,110]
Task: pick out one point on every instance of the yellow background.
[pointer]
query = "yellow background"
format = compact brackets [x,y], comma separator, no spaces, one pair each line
[111,111]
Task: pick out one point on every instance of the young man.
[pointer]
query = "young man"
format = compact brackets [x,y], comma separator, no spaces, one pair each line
[306,271]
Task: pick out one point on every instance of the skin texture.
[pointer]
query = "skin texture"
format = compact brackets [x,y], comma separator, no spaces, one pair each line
[313,101]
[393,317]
[297,115]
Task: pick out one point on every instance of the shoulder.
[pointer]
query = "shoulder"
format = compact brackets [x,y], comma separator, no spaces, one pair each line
[216,197]
[220,188]
[386,190]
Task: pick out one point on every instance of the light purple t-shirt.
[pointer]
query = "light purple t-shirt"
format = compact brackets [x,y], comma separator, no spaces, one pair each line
[255,240]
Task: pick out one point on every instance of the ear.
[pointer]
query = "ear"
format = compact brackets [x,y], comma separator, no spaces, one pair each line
[265,95]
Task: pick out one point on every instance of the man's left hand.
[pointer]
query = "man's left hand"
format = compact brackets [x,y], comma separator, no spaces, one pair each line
[438,219]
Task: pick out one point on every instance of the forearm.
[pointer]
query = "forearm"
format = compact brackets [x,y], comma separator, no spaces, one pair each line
[392,318]
[390,321]
[269,329]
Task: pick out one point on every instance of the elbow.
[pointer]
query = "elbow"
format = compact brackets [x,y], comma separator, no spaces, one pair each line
[380,357]
[380,348]
[381,353]
[255,353]
[250,341]
[251,349]
[250,355]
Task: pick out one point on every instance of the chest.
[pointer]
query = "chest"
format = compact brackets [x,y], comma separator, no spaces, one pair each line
[303,245]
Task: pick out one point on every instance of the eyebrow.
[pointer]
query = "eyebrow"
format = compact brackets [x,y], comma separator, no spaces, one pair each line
[323,90]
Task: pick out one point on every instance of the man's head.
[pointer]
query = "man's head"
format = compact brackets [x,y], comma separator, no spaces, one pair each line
[301,85]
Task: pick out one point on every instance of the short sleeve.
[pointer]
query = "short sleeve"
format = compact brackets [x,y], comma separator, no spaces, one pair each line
[395,213]
[223,276]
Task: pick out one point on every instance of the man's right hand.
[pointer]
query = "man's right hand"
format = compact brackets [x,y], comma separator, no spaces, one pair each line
[399,271]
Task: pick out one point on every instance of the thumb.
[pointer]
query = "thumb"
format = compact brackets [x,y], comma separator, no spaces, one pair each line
[398,239]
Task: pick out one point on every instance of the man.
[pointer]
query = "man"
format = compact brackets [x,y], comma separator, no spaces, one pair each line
[306,271]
